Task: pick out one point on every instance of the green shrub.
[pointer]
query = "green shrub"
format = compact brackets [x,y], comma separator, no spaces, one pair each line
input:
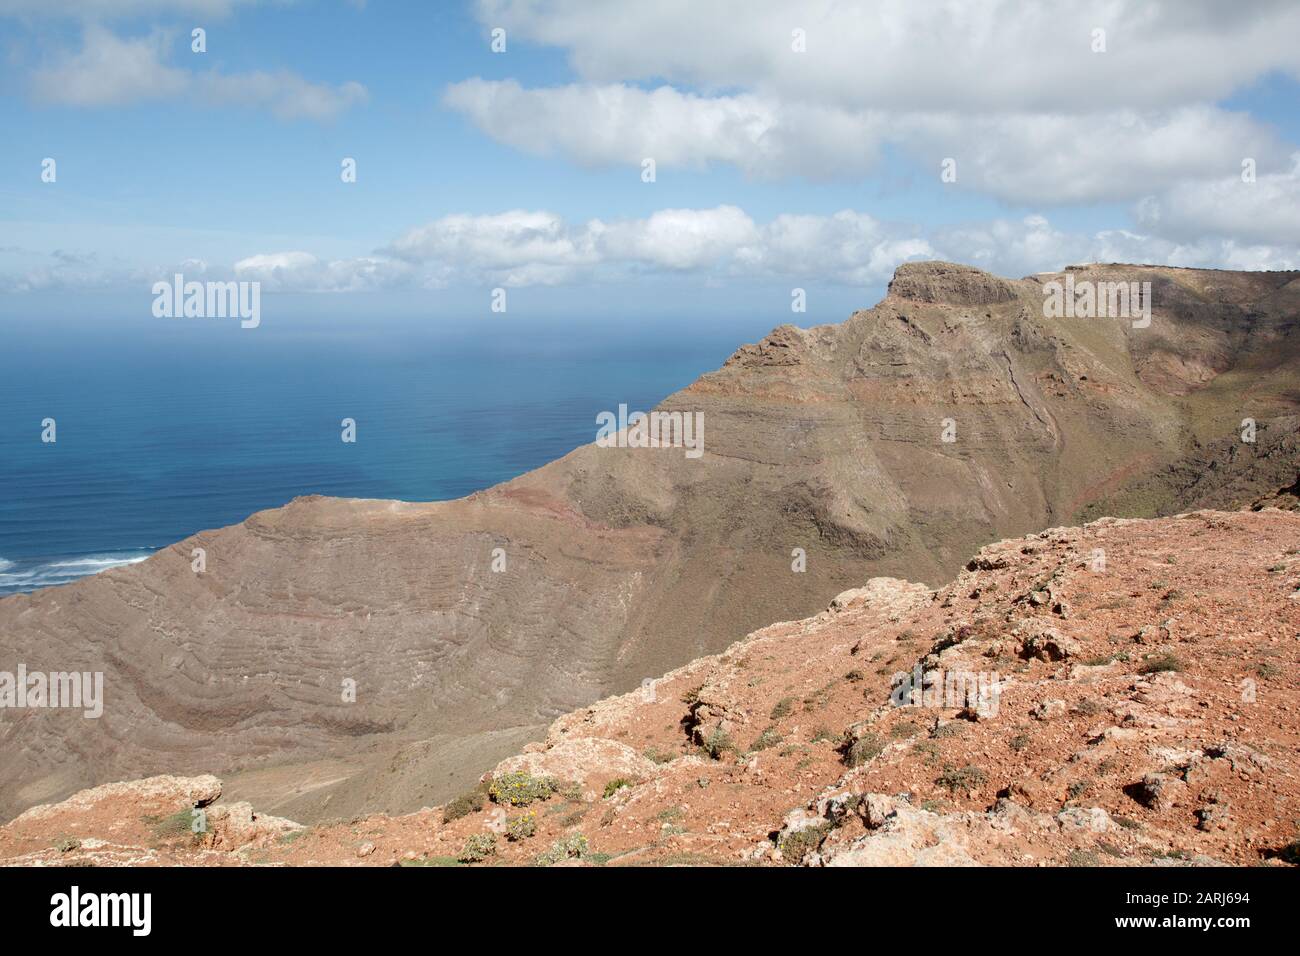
[717,743]
[617,784]
[519,788]
[1160,663]
[795,846]
[521,827]
[966,778]
[574,847]
[861,749]
[783,708]
[478,848]
[465,804]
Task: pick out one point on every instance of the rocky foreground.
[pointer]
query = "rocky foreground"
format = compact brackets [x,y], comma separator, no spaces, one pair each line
[1146,712]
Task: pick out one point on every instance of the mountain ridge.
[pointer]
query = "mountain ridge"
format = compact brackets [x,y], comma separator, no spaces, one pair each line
[622,562]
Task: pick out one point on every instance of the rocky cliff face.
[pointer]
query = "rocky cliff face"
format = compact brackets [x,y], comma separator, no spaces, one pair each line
[1121,694]
[622,563]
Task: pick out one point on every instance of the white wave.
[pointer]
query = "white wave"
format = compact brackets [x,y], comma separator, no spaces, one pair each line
[62,572]
[98,562]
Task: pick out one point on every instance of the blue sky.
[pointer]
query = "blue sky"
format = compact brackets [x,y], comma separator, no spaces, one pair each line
[776,167]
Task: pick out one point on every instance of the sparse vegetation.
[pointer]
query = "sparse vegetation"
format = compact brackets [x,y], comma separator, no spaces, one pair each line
[904,729]
[617,784]
[795,846]
[958,780]
[655,755]
[465,804]
[783,708]
[521,827]
[177,826]
[478,847]
[1160,663]
[519,788]
[574,847]
[861,749]
[768,738]
[717,743]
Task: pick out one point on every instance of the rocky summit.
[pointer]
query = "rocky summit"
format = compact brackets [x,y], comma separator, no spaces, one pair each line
[1125,697]
[338,658]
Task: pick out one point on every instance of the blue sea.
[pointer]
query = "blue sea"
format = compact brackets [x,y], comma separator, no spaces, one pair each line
[164,430]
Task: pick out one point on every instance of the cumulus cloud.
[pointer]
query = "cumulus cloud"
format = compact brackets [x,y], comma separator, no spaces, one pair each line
[1266,210]
[924,55]
[1014,156]
[110,70]
[1012,90]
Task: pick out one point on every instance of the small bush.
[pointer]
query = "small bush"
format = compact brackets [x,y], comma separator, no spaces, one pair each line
[768,738]
[655,755]
[958,780]
[822,734]
[521,827]
[904,729]
[519,788]
[177,826]
[795,846]
[717,743]
[478,848]
[617,784]
[574,847]
[783,708]
[465,804]
[867,747]
[1160,663]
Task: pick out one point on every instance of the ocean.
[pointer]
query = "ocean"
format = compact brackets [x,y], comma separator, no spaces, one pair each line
[165,430]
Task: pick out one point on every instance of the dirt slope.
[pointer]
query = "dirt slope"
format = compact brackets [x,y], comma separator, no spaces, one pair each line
[1148,713]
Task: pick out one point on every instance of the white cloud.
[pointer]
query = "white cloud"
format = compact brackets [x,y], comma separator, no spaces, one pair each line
[110,70]
[1264,211]
[712,246]
[1014,156]
[285,94]
[303,272]
[924,55]
[1010,89]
